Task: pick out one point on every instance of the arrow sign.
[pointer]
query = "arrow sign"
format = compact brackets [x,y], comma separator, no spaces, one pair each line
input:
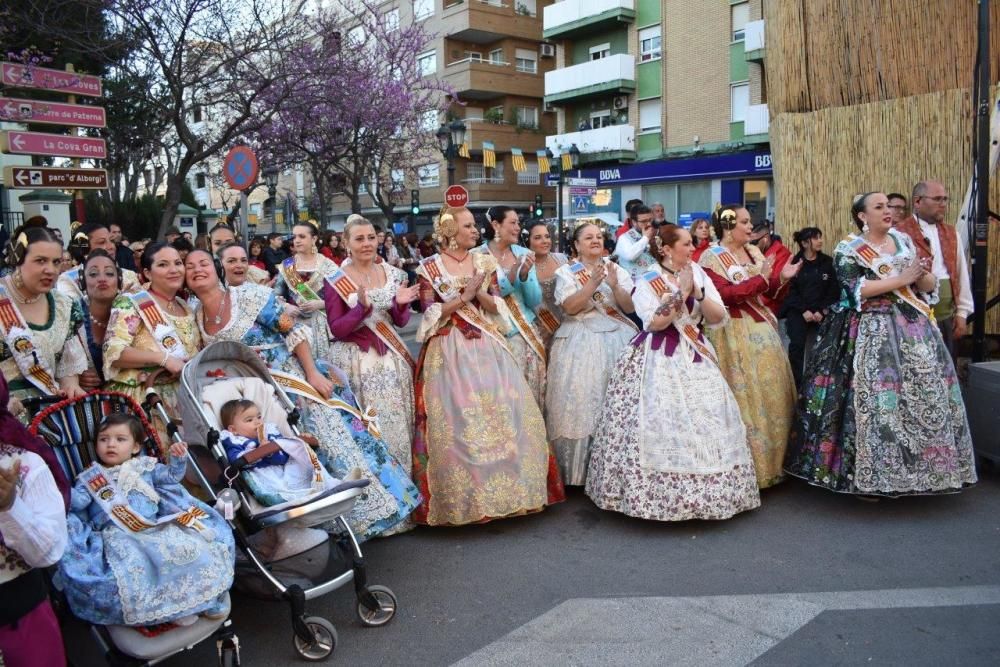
[17,75]
[52,145]
[50,113]
[49,178]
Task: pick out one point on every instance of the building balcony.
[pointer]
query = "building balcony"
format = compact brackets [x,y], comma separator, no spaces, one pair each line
[475,79]
[757,120]
[753,41]
[487,21]
[614,142]
[594,78]
[571,19]
[504,136]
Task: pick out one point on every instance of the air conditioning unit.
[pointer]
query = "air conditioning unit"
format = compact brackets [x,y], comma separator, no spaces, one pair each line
[620,102]
[547,50]
[549,107]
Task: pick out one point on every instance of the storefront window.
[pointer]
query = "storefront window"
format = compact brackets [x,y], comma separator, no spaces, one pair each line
[694,197]
[755,198]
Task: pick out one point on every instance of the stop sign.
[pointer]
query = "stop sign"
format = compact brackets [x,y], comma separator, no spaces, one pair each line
[456,196]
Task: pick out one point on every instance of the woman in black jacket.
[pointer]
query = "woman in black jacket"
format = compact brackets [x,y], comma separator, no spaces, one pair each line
[811,293]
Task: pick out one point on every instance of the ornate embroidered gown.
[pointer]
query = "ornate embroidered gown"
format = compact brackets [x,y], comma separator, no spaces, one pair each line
[59,351]
[752,357]
[298,287]
[583,355]
[881,410]
[549,325]
[115,576]
[258,320]
[670,444]
[480,451]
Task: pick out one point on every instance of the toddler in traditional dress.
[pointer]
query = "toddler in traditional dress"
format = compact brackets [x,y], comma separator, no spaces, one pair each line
[142,551]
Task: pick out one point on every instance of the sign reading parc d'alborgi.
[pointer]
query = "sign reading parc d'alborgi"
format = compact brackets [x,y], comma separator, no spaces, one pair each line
[51,113]
[54,178]
[52,145]
[17,75]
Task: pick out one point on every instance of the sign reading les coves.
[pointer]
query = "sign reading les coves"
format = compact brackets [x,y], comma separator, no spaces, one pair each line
[50,178]
[17,75]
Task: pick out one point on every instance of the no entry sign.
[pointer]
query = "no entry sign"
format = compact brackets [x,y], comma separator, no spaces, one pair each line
[240,168]
[456,196]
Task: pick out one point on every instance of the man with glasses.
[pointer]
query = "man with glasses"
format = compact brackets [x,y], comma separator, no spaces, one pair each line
[938,241]
[762,235]
[899,208]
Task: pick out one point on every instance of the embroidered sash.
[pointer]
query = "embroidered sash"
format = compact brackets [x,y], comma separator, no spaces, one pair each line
[342,284]
[609,309]
[19,338]
[295,385]
[296,453]
[300,287]
[547,319]
[115,505]
[687,329]
[736,274]
[432,269]
[524,327]
[882,266]
[158,325]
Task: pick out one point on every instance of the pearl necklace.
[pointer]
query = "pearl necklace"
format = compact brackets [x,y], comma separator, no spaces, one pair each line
[24,300]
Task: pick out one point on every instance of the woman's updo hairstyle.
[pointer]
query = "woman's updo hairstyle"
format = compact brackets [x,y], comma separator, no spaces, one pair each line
[33,230]
[805,235]
[666,236]
[529,228]
[857,207]
[310,224]
[355,220]
[578,230]
[724,218]
[446,224]
[495,214]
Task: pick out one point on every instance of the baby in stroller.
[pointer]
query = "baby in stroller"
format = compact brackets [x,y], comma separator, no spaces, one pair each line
[282,468]
[142,551]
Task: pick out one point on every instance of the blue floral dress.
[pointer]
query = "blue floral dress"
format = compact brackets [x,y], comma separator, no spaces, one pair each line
[881,410]
[258,320]
[114,576]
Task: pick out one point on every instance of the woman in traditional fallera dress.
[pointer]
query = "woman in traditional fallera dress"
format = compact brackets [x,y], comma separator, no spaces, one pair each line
[152,333]
[102,282]
[39,352]
[548,313]
[300,281]
[252,314]
[594,295]
[670,444]
[881,409]
[749,348]
[520,294]
[480,451]
[365,302]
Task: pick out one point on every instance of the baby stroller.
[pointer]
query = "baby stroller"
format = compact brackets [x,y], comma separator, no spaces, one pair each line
[224,371]
[69,427]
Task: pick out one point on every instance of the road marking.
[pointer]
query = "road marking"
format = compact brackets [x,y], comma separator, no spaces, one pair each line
[711,630]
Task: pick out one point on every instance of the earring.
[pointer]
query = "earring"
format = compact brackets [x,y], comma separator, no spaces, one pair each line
[17,279]
[864,227]
[453,243]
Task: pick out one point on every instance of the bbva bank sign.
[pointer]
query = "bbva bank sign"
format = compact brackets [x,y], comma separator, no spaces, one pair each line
[732,165]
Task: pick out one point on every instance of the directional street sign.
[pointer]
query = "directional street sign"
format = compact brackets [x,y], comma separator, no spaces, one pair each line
[456,196]
[17,75]
[51,113]
[53,145]
[582,182]
[49,178]
[240,168]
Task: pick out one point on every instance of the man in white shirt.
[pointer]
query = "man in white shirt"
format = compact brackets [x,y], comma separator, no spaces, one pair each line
[938,241]
[632,249]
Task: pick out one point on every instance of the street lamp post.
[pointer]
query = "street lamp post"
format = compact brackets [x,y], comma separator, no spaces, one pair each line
[271,180]
[450,137]
[555,168]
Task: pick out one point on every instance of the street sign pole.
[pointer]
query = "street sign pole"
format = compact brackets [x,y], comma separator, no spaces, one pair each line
[245,221]
[80,206]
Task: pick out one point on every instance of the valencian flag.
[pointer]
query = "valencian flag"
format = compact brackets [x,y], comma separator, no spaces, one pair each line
[517,157]
[567,161]
[543,161]
[463,150]
[489,154]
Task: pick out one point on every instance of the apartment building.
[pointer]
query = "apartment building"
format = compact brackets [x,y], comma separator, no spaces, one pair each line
[666,101]
[491,53]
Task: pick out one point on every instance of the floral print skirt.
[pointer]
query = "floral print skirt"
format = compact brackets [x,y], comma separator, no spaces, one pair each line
[670,444]
[881,411]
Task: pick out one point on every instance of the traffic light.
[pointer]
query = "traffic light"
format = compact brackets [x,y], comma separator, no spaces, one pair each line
[537,209]
[415,202]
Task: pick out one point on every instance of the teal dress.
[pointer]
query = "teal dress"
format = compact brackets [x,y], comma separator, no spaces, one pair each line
[258,320]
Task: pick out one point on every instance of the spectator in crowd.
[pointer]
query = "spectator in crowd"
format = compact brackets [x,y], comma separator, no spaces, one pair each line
[274,253]
[203,242]
[427,246]
[701,235]
[220,235]
[256,255]
[632,248]
[900,209]
[659,214]
[390,252]
[628,217]
[123,255]
[183,247]
[770,244]
[172,234]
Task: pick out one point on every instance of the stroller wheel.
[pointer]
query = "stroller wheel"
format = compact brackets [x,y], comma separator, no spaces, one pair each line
[376,606]
[324,640]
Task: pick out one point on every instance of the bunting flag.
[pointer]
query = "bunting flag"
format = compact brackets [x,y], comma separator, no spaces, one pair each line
[543,162]
[489,154]
[567,161]
[517,157]
[463,150]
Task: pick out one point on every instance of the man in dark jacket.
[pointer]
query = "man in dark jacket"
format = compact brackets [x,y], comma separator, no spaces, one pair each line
[123,254]
[274,254]
[770,244]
